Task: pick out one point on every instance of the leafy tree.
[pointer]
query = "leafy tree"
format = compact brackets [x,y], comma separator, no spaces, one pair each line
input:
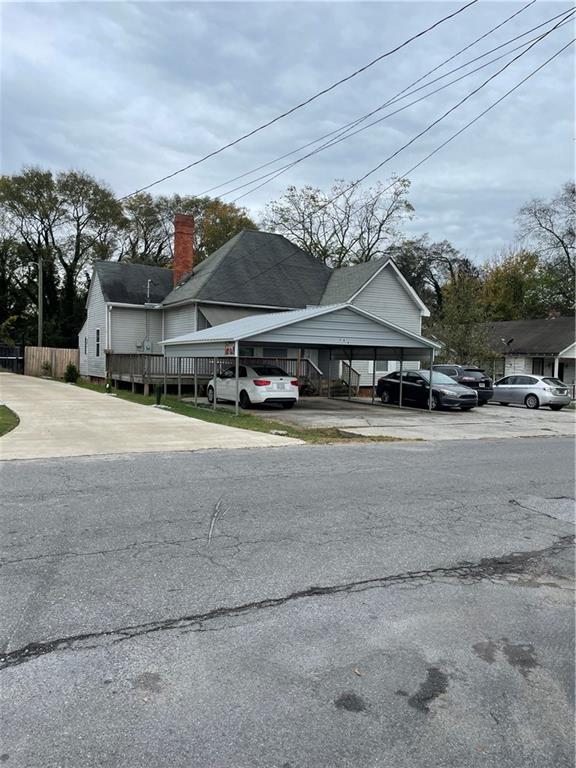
[459,324]
[355,227]
[67,220]
[149,233]
[511,287]
[428,266]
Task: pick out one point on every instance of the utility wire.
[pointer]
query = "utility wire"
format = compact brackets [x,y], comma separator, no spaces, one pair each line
[397,96]
[305,102]
[348,133]
[442,117]
[429,155]
[271,175]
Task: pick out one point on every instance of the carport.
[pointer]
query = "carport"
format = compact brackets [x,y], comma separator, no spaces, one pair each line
[338,332]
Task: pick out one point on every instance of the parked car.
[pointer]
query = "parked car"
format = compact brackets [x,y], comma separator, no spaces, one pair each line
[256,384]
[532,391]
[470,376]
[446,393]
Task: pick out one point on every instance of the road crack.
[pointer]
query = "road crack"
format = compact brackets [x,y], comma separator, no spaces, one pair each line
[491,569]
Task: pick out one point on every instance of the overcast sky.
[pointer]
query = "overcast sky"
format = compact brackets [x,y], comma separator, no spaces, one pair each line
[132,91]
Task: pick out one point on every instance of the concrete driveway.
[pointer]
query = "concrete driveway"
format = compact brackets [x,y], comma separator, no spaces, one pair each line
[360,417]
[59,419]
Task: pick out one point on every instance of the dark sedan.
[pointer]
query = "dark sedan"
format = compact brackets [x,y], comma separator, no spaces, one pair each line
[446,393]
[470,376]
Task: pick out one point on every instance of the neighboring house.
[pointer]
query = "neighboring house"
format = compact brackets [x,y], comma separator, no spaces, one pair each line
[545,347]
[253,273]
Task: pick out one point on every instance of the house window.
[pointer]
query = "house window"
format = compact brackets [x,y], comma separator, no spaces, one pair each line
[246,351]
[538,366]
[97,342]
[276,352]
[85,345]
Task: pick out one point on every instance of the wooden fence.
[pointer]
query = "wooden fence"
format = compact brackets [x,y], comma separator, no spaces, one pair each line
[49,361]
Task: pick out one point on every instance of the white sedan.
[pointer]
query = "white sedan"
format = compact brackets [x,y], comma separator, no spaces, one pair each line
[256,384]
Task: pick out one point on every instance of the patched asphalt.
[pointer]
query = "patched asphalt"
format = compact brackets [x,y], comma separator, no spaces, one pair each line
[369,605]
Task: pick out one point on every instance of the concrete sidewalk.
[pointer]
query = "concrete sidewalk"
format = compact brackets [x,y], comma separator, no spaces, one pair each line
[58,419]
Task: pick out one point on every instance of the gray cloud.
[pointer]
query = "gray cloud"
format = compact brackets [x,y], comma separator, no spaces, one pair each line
[132,91]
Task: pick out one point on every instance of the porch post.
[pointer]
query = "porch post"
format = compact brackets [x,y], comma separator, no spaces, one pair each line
[237,374]
[401,375]
[373,374]
[556,366]
[195,364]
[164,374]
[329,371]
[431,373]
[215,383]
[179,377]
[349,374]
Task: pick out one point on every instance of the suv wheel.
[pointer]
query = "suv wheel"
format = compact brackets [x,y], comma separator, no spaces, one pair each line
[386,397]
[210,395]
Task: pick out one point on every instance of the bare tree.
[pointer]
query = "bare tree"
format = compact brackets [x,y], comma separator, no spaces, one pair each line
[344,226]
[550,226]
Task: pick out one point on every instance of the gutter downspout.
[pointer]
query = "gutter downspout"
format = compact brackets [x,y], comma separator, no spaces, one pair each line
[108,338]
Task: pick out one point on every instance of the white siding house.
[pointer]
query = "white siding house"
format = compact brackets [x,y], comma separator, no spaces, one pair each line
[120,314]
[179,320]
[92,337]
[387,296]
[136,307]
[544,347]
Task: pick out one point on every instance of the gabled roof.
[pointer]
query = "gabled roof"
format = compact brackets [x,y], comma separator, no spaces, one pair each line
[258,269]
[256,325]
[346,282]
[532,337]
[125,283]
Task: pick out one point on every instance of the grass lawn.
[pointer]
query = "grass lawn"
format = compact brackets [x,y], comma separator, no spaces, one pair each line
[244,420]
[8,420]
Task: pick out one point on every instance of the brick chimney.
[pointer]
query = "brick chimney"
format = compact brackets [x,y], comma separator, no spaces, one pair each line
[183,246]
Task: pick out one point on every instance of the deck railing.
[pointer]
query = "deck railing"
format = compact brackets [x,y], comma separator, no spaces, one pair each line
[351,377]
[149,369]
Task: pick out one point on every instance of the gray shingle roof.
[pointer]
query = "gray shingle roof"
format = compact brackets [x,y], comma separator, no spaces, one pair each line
[256,268]
[532,337]
[345,282]
[127,283]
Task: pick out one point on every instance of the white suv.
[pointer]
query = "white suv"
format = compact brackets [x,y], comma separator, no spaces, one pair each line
[256,384]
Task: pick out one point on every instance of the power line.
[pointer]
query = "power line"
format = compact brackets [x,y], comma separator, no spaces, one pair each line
[348,133]
[305,102]
[272,175]
[430,154]
[443,116]
[397,96]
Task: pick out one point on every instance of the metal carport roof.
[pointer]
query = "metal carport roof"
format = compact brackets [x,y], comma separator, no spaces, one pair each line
[344,328]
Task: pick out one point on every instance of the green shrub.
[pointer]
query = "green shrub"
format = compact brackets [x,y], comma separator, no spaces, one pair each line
[46,368]
[71,374]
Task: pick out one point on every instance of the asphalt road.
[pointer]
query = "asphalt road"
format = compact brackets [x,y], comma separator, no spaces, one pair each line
[398,605]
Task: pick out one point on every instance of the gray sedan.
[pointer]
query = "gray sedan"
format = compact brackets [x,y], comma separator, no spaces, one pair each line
[532,391]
